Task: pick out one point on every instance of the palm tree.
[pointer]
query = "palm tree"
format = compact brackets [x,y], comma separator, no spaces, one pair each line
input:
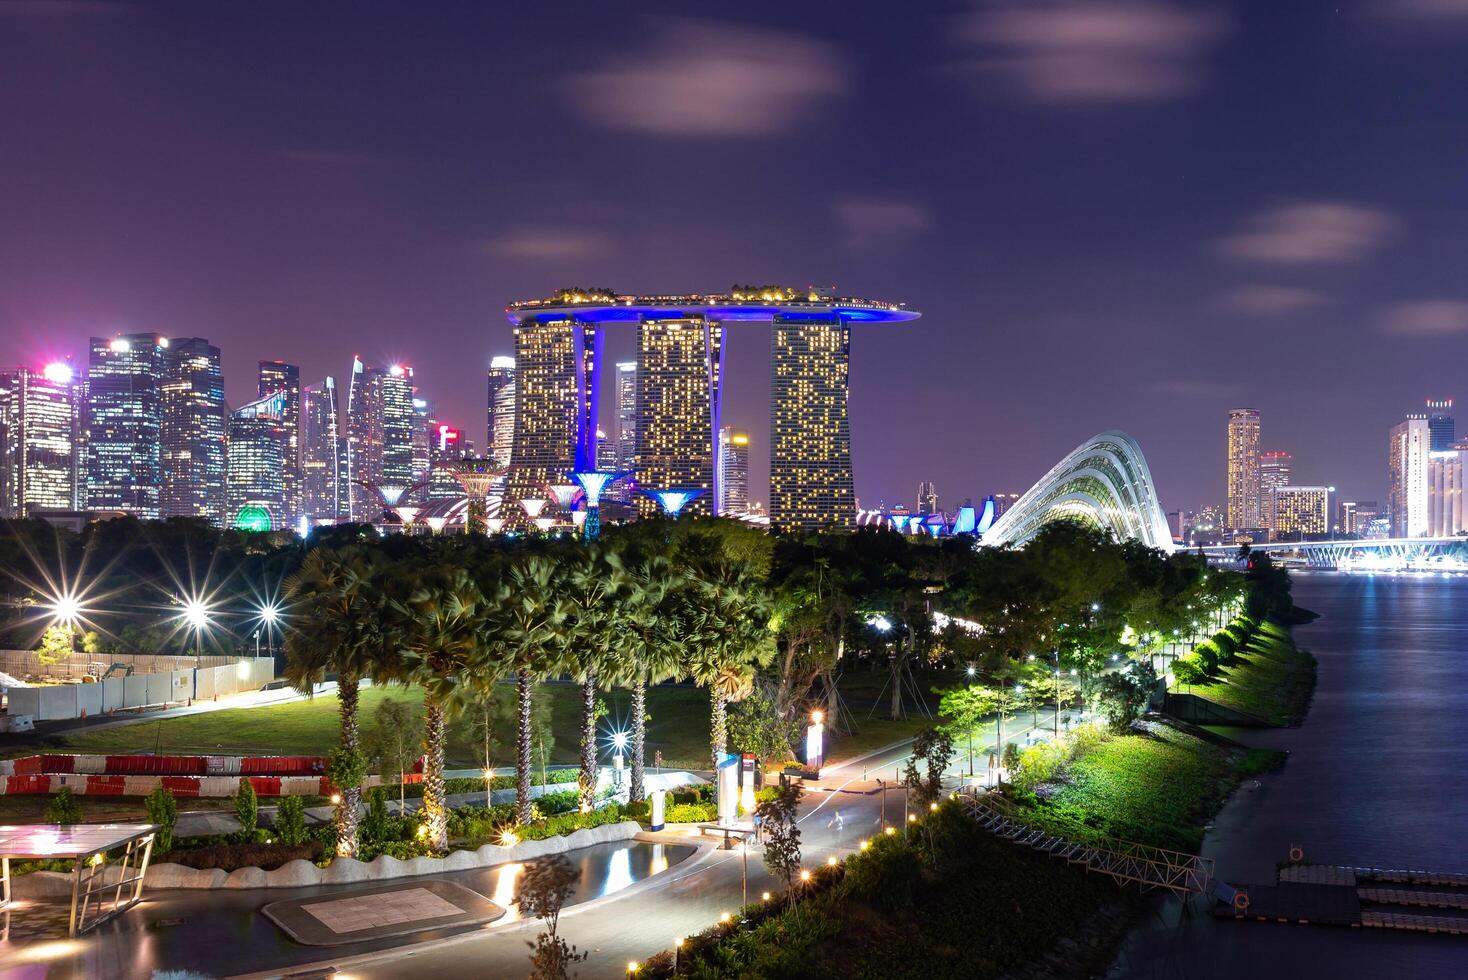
[441,629]
[658,634]
[336,626]
[596,587]
[529,621]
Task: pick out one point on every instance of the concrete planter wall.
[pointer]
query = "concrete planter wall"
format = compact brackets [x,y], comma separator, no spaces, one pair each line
[342,871]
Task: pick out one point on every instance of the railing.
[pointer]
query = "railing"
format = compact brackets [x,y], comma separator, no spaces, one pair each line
[1124,861]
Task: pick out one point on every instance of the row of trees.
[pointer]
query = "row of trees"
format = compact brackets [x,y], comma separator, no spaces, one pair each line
[454,616]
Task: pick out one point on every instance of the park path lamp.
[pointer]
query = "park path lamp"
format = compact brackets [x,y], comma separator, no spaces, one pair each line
[594,483]
[673,501]
[197,616]
[268,614]
[1056,654]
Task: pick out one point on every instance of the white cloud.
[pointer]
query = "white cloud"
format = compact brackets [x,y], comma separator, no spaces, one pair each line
[1426,318]
[699,78]
[870,222]
[1094,51]
[548,243]
[1263,300]
[1311,232]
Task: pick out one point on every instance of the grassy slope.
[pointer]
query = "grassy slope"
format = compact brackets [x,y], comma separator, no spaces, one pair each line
[1150,789]
[1271,678]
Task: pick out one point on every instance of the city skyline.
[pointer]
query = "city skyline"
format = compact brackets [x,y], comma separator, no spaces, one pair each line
[388,226]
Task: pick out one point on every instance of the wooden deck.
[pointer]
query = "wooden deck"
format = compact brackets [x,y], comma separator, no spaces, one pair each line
[1373,898]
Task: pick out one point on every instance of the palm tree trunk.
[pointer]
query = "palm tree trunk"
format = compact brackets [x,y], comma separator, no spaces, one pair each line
[435,807]
[351,796]
[587,780]
[718,723]
[635,791]
[522,747]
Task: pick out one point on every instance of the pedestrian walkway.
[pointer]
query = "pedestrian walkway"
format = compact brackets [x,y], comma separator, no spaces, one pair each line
[378,913]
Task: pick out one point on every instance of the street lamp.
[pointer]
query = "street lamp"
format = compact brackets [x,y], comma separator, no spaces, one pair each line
[198,616]
[268,614]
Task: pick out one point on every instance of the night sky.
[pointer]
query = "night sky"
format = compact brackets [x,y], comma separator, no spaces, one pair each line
[1112,213]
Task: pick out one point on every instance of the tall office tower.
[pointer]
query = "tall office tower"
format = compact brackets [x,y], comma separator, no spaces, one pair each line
[192,434]
[38,427]
[626,433]
[1440,424]
[810,432]
[1301,510]
[124,423]
[380,424]
[446,444]
[1408,449]
[555,405]
[279,376]
[1445,493]
[257,449]
[733,478]
[678,383]
[324,480]
[425,431]
[927,497]
[1274,471]
[1243,469]
[501,402]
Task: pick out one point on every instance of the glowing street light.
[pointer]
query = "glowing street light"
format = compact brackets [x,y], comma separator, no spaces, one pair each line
[66,610]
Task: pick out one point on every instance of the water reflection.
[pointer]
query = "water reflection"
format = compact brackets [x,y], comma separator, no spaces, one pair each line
[619,872]
[504,890]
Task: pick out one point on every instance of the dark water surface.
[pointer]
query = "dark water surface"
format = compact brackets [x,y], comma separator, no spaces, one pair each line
[1377,776]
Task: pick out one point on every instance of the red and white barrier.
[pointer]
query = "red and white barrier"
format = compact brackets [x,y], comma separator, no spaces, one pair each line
[183,775]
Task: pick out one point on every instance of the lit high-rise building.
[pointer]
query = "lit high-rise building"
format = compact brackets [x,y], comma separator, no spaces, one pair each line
[1301,510]
[501,403]
[257,450]
[324,480]
[380,425]
[811,482]
[626,432]
[192,451]
[680,340]
[1243,469]
[446,444]
[1445,493]
[1440,424]
[124,423]
[38,444]
[1408,449]
[279,376]
[733,476]
[927,498]
[678,375]
[1274,471]
[555,404]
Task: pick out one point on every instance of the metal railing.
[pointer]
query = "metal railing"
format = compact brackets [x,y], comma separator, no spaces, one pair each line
[1124,861]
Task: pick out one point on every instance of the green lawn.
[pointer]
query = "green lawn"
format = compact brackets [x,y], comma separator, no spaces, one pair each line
[1152,790]
[1271,678]
[677,727]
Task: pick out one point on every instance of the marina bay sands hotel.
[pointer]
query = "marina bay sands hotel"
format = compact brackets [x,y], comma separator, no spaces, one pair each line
[680,343]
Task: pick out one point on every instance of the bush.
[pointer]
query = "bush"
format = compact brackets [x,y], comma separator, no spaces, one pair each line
[566,823]
[1227,648]
[163,811]
[560,801]
[376,827]
[1188,670]
[691,813]
[1039,764]
[885,874]
[290,821]
[233,856]
[64,808]
[1208,657]
[247,807]
[641,810]
[1084,738]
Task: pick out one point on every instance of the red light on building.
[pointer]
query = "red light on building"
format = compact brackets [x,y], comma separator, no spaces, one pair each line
[447,436]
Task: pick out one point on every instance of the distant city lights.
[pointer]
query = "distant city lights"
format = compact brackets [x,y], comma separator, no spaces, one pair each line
[58,372]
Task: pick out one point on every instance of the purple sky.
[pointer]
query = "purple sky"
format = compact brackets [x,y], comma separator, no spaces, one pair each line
[1112,213]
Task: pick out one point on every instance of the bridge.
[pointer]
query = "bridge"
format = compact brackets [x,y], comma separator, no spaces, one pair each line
[1370,555]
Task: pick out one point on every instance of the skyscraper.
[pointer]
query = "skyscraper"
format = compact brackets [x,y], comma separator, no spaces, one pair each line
[500,436]
[810,432]
[626,432]
[733,477]
[1243,469]
[124,423]
[1408,448]
[257,449]
[380,423]
[323,455]
[1274,471]
[279,376]
[38,427]
[678,375]
[192,450]
[1445,493]
[927,497]
[1440,424]
[555,404]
